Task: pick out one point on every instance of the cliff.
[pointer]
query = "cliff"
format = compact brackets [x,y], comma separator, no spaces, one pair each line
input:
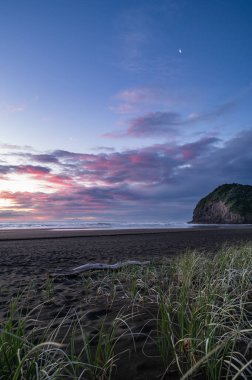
[229,204]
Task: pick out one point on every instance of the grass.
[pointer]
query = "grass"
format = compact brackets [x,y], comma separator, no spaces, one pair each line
[20,357]
[48,289]
[207,311]
[97,357]
[201,323]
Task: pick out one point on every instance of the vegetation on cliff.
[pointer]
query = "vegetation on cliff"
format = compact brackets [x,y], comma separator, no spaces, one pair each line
[229,203]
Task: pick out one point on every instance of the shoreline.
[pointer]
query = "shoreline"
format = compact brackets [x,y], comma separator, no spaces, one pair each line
[52,233]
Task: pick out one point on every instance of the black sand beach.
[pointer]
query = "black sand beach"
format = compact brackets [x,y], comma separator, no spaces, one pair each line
[34,253]
[28,256]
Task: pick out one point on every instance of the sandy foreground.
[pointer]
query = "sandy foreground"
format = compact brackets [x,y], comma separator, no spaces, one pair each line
[28,256]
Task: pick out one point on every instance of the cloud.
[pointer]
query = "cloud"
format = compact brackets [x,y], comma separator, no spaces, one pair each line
[151,124]
[139,39]
[4,169]
[139,99]
[132,100]
[219,111]
[104,148]
[6,109]
[134,95]
[156,124]
[30,169]
[15,147]
[123,108]
[158,181]
[12,215]
[24,169]
[44,158]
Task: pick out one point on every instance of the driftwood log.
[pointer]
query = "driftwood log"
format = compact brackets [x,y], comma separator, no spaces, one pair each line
[96,266]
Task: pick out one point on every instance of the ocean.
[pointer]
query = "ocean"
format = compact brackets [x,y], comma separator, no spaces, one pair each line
[114,225]
[83,225]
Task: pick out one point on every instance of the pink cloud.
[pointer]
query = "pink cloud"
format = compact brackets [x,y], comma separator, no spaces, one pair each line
[134,100]
[34,170]
[147,165]
[114,183]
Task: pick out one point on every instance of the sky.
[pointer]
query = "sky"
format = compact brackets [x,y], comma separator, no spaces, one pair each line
[122,110]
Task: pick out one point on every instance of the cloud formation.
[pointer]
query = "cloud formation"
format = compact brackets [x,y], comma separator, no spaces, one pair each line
[156,124]
[134,95]
[6,109]
[132,100]
[160,181]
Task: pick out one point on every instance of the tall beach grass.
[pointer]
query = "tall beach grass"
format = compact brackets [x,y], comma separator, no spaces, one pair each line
[201,318]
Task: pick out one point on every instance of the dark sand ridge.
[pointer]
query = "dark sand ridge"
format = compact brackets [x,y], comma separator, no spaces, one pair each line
[27,256]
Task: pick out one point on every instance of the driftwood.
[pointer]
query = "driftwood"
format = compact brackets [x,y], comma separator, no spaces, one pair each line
[96,266]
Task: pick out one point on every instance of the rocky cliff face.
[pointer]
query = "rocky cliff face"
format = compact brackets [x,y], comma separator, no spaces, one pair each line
[228,204]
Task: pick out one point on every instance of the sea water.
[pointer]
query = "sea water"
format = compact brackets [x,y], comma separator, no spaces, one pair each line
[84,225]
[109,225]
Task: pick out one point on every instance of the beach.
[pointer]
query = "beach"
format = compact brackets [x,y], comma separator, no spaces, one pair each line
[32,254]
[28,257]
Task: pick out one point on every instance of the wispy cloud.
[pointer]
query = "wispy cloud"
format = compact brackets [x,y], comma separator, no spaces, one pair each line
[6,109]
[104,148]
[140,34]
[156,124]
[15,147]
[135,95]
[123,108]
[133,100]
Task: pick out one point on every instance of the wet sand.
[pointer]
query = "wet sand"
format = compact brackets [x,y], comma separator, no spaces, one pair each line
[28,256]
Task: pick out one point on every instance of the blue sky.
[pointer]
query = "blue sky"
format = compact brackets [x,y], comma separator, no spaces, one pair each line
[122,109]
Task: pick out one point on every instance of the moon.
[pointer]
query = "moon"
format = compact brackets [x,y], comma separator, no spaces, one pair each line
[180,51]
